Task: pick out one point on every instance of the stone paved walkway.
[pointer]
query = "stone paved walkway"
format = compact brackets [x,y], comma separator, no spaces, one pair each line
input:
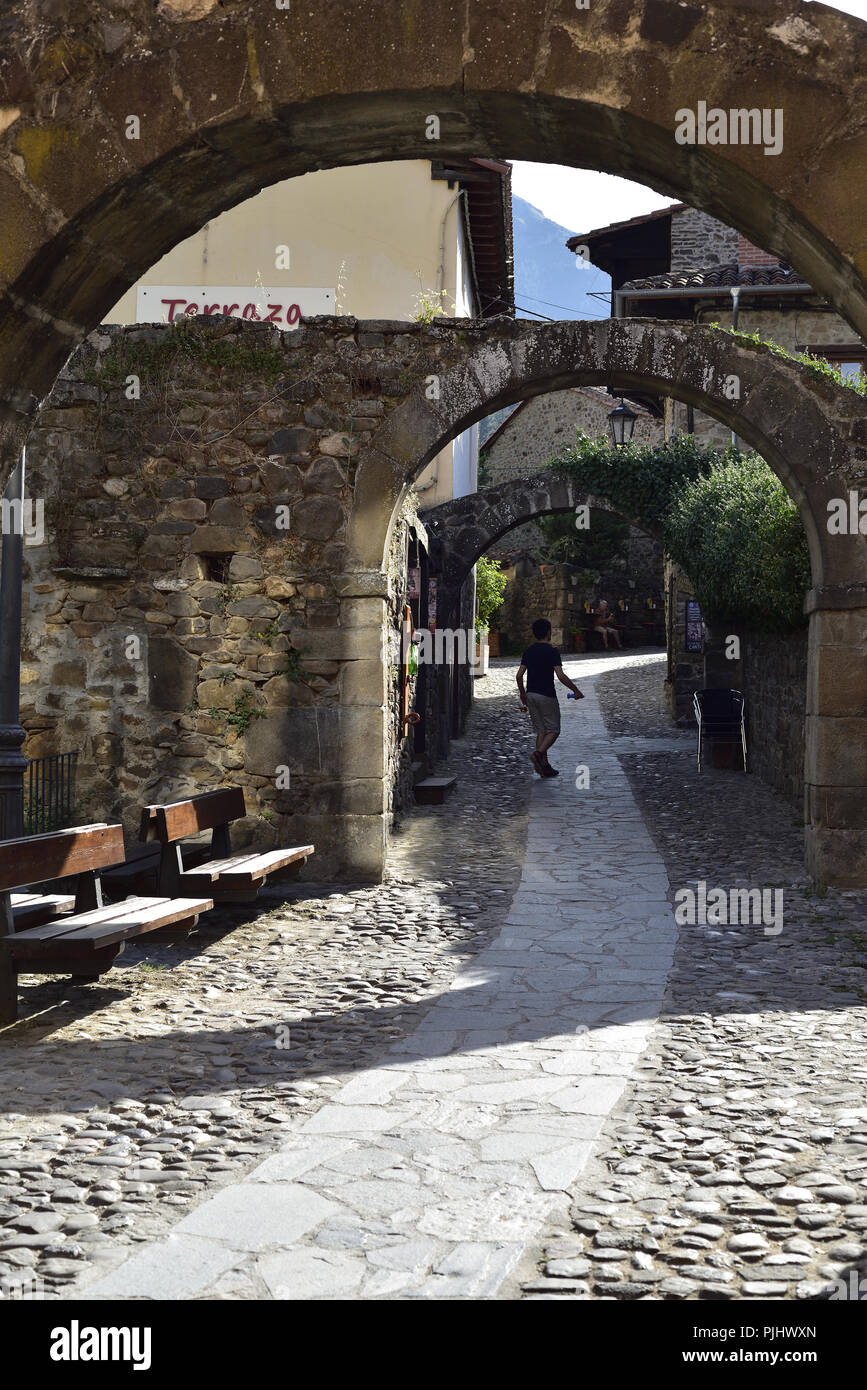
[734,1166]
[430,1174]
[468,1103]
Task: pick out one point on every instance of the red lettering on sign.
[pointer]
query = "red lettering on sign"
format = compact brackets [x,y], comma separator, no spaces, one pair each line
[252,314]
[229,308]
[191,309]
[293,314]
[210,308]
[172,305]
[274,316]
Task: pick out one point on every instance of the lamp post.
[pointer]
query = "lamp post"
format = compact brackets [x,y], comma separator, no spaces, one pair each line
[621,423]
[12,760]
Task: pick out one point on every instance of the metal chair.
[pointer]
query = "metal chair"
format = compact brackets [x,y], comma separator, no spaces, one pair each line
[720,711]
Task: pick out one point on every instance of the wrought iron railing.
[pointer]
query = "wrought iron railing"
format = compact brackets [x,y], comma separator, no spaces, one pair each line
[49,793]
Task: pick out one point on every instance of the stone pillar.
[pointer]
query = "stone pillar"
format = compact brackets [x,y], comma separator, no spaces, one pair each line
[835,768]
[364,740]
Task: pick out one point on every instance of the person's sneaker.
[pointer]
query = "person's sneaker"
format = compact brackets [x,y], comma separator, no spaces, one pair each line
[549,771]
[538,765]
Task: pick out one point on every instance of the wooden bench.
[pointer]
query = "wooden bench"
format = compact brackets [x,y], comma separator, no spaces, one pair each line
[86,941]
[227,877]
[33,909]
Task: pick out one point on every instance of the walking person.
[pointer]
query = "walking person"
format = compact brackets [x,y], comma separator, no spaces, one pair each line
[540,663]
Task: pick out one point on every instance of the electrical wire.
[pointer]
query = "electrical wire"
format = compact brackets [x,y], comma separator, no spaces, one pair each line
[569,308]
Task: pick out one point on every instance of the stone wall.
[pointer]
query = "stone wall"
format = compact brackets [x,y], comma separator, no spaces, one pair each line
[559,593]
[791,328]
[771,672]
[698,240]
[184,621]
[774,682]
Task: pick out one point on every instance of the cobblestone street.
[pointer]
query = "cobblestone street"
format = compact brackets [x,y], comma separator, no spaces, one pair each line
[498,1074]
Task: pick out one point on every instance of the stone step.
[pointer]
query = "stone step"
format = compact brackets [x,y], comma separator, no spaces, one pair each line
[418,770]
[432,791]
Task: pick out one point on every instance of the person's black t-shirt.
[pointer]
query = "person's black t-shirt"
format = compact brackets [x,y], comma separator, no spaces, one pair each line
[540,661]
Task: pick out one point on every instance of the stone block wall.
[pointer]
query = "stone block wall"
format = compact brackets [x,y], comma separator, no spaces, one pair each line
[187,623]
[774,682]
[699,240]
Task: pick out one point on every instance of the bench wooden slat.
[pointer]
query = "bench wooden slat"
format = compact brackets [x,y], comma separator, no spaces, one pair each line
[180,819]
[215,868]
[51,931]
[32,909]
[83,933]
[264,864]
[59,854]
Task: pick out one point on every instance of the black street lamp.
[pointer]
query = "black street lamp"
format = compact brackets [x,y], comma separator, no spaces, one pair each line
[621,423]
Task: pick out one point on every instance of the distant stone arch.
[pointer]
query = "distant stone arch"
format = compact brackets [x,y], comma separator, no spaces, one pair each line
[467,527]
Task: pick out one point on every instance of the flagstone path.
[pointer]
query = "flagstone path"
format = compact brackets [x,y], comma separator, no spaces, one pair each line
[432,1173]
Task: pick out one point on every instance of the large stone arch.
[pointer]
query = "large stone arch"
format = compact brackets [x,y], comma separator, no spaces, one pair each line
[232,95]
[811,431]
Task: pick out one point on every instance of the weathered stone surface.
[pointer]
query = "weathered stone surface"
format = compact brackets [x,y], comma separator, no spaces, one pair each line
[172,674]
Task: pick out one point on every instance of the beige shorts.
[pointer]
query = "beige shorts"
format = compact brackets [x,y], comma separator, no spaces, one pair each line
[544,713]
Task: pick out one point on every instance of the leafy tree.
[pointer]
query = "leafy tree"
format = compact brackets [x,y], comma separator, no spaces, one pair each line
[725,517]
[592,549]
[490,589]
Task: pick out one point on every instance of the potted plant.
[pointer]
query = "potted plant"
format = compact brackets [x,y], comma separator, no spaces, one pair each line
[480,660]
[490,588]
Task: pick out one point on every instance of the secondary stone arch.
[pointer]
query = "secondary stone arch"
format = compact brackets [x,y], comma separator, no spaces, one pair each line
[231,95]
[467,527]
[811,431]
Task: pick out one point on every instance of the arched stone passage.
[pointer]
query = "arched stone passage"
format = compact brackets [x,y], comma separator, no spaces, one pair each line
[812,432]
[468,526]
[121,138]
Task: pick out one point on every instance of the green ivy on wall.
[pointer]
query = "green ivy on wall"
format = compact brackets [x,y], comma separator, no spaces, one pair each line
[723,516]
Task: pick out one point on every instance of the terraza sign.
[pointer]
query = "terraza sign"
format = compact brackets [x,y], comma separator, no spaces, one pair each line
[285,307]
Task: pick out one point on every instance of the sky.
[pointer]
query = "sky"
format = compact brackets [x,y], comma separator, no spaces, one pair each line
[583,200]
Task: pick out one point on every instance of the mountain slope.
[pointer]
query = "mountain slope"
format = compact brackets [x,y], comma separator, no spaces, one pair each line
[548,279]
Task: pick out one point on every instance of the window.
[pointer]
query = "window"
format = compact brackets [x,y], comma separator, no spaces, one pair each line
[850,359]
[217,567]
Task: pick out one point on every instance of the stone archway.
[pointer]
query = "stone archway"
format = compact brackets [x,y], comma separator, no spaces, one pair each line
[469,526]
[120,140]
[812,432]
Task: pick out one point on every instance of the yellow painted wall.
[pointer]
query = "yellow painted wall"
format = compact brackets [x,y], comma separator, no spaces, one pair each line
[373,233]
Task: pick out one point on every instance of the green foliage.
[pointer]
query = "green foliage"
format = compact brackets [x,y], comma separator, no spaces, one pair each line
[157,362]
[817,364]
[593,549]
[490,589]
[227,594]
[243,712]
[724,517]
[294,669]
[738,535]
[429,306]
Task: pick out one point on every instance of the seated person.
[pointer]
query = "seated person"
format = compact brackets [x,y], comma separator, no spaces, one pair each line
[603,623]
